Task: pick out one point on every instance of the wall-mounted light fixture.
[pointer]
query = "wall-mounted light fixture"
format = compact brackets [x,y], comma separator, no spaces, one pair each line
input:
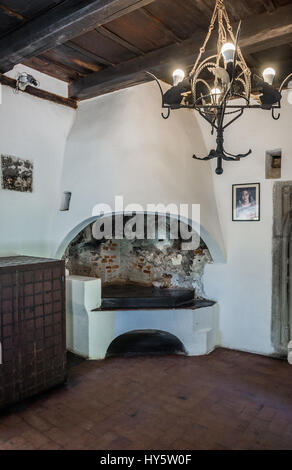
[24,79]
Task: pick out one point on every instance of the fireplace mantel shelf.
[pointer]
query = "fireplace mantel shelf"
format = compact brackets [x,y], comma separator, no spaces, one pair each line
[194,305]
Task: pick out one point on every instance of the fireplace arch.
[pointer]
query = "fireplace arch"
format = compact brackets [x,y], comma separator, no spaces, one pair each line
[218,255]
[145,342]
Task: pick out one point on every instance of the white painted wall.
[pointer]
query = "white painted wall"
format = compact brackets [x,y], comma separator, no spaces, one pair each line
[120,145]
[243,285]
[36,130]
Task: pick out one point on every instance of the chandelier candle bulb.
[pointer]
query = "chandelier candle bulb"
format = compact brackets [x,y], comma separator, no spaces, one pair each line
[216,92]
[228,51]
[269,75]
[178,76]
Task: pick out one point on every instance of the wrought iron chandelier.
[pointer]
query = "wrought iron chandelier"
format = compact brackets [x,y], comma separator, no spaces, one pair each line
[219,87]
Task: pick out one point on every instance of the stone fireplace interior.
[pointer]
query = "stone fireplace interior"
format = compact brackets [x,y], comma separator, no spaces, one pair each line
[140,268]
[133,289]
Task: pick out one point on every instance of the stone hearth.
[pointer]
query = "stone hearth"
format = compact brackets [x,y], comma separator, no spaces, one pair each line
[91,329]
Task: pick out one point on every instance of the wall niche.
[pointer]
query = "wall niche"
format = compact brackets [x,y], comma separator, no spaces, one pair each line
[273,164]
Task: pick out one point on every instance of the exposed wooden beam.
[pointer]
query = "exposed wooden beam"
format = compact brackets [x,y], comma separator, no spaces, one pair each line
[60,24]
[256,30]
[268,44]
[114,37]
[12,13]
[45,95]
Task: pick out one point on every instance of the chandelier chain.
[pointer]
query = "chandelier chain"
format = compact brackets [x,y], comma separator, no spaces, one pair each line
[224,30]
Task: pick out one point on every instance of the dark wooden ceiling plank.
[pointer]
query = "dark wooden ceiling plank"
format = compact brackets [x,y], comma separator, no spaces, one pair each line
[89,54]
[116,38]
[54,69]
[140,30]
[72,59]
[250,60]
[205,8]
[57,62]
[7,23]
[102,46]
[269,5]
[160,24]
[239,10]
[255,30]
[12,13]
[133,6]
[183,18]
[60,24]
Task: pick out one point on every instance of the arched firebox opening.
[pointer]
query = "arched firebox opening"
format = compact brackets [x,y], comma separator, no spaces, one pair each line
[145,343]
[161,261]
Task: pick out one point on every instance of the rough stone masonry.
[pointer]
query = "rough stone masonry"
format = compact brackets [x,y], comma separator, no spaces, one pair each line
[158,262]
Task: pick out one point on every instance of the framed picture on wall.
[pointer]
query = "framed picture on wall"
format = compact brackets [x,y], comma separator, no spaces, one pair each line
[16,173]
[246,202]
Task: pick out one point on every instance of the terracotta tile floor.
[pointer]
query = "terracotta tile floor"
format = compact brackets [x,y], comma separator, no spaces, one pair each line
[227,400]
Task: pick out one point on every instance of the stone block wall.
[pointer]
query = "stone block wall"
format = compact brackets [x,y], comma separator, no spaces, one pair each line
[158,262]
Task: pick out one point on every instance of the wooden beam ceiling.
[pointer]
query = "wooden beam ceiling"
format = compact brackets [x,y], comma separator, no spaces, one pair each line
[257,32]
[160,24]
[269,5]
[88,54]
[60,24]
[114,37]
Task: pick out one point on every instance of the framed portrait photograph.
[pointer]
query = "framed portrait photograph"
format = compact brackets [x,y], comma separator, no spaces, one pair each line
[246,202]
